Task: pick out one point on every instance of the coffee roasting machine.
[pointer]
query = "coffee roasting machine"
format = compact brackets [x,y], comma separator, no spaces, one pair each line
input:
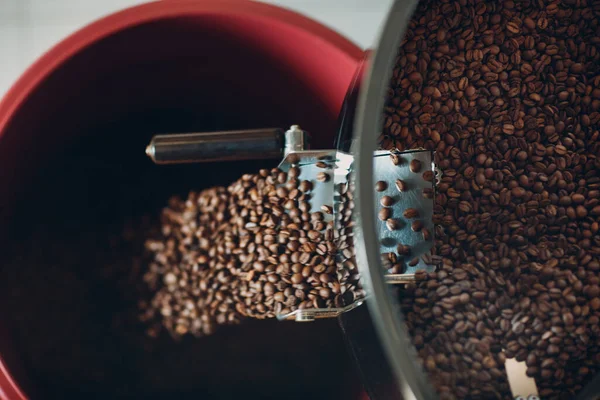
[374,323]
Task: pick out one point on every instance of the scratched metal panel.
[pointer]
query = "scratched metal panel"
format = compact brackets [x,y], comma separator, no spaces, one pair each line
[387,171]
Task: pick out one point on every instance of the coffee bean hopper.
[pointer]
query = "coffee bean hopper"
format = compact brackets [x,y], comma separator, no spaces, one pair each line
[387,236]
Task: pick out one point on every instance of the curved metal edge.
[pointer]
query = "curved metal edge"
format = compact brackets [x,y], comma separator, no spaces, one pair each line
[386,316]
[591,391]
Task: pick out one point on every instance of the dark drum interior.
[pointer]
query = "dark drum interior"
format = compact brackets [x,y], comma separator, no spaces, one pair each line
[77,191]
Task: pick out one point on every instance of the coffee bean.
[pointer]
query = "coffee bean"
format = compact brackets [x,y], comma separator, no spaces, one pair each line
[581,211]
[322,177]
[410,213]
[269,289]
[297,278]
[401,185]
[578,198]
[294,172]
[415,165]
[417,226]
[428,176]
[326,209]
[508,129]
[513,28]
[442,291]
[392,224]
[380,186]
[413,262]
[305,186]
[426,234]
[518,192]
[403,250]
[314,235]
[386,201]
[384,214]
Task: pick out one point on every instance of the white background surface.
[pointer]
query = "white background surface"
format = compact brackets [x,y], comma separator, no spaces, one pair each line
[28,28]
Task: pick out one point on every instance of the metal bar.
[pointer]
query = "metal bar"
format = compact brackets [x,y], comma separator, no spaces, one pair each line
[310,314]
[400,279]
[216,146]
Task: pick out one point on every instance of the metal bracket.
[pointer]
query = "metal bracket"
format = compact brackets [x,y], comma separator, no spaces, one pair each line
[310,314]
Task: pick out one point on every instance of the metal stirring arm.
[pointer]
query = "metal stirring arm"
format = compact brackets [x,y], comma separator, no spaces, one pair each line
[271,143]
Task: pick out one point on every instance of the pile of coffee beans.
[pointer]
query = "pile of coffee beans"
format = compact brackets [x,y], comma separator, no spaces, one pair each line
[71,280]
[253,249]
[508,94]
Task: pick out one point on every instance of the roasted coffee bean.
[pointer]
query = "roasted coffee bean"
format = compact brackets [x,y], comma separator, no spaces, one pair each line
[403,250]
[314,235]
[297,278]
[380,186]
[386,201]
[384,214]
[401,185]
[428,176]
[305,186]
[426,234]
[323,177]
[294,172]
[392,224]
[415,165]
[410,213]
[417,226]
[326,209]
